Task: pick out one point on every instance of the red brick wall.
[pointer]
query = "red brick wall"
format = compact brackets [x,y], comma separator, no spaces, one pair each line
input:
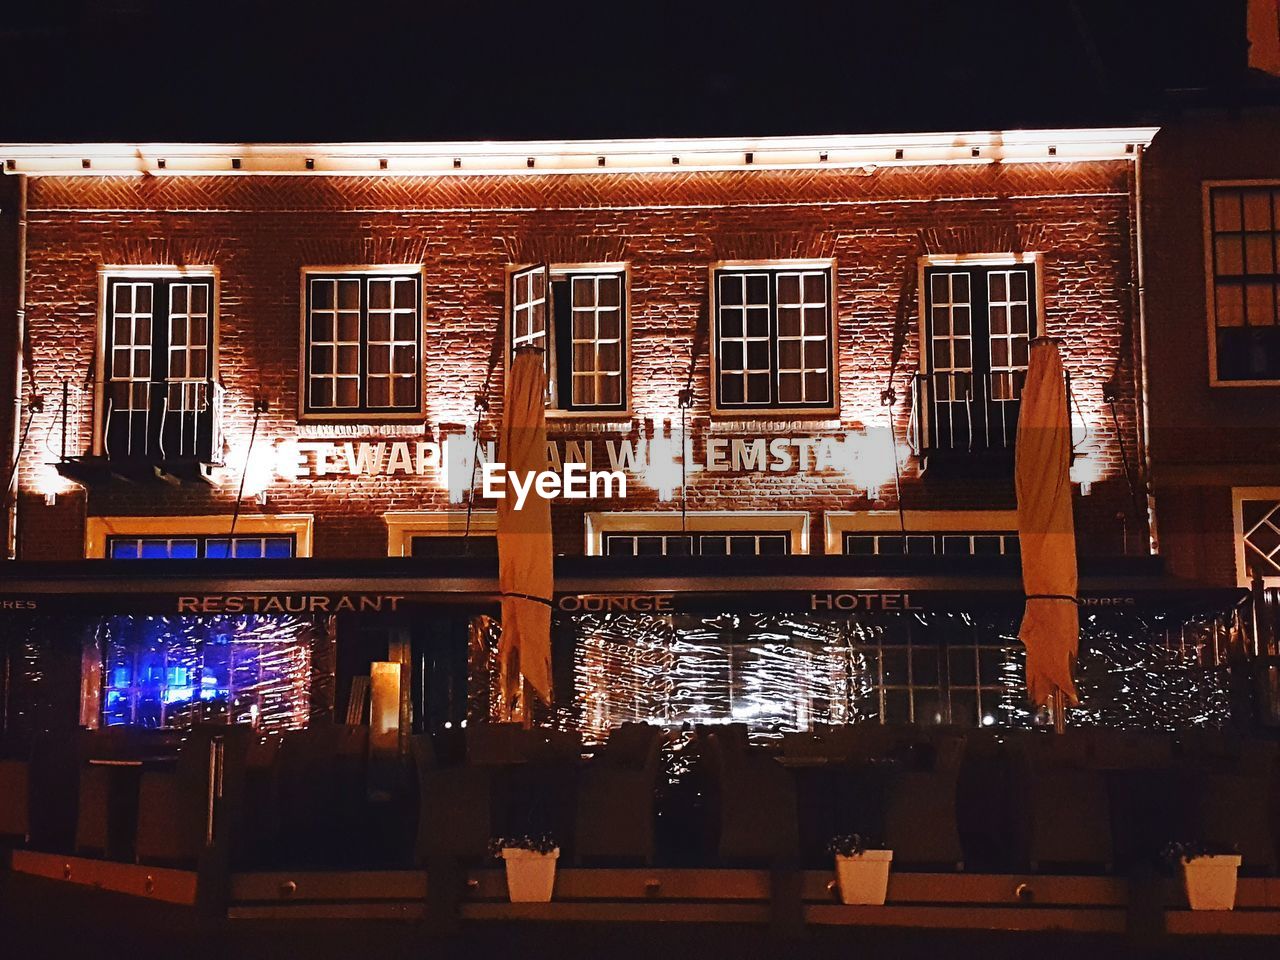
[259,231]
[1204,439]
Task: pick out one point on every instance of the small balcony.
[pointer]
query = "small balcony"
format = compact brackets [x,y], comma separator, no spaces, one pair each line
[967,421]
[167,431]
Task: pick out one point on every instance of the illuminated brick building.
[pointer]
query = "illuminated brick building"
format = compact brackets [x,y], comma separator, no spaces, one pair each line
[788,346]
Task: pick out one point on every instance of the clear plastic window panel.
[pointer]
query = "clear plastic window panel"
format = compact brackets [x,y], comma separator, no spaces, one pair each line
[1009,312]
[1260,528]
[597,339]
[804,343]
[334,369]
[745,334]
[529,308]
[166,672]
[392,353]
[132,315]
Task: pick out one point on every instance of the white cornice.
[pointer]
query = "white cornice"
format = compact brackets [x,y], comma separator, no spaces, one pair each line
[573,156]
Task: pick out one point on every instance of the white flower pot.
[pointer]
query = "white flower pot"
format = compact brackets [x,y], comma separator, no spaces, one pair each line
[531,876]
[864,877]
[1210,882]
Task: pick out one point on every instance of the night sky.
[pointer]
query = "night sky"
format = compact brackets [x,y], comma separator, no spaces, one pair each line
[377,69]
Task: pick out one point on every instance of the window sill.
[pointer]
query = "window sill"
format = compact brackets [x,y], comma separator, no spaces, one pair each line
[414,417]
[775,413]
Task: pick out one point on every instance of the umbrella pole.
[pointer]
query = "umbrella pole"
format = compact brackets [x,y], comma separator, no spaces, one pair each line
[1057,705]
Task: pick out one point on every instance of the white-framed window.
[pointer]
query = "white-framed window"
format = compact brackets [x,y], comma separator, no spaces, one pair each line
[362,342]
[773,336]
[1242,277]
[198,537]
[158,385]
[951,533]
[697,533]
[978,316]
[441,533]
[578,315]
[1256,512]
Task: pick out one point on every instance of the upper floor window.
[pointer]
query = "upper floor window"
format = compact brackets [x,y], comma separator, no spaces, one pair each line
[1243,223]
[159,390]
[363,343]
[979,319]
[932,543]
[578,316]
[773,337]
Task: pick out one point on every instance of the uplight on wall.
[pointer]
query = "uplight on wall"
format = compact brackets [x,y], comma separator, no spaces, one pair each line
[662,471]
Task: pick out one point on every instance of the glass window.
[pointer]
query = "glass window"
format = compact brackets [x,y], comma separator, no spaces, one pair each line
[773,338]
[735,543]
[479,545]
[1259,532]
[1242,230]
[932,543]
[159,389]
[364,333]
[586,351]
[195,548]
[979,323]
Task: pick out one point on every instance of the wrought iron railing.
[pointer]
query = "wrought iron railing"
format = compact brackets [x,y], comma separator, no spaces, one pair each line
[966,412]
[161,422]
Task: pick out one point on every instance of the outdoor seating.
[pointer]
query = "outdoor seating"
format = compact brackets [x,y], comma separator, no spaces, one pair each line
[1064,811]
[322,793]
[753,803]
[15,792]
[920,820]
[616,792]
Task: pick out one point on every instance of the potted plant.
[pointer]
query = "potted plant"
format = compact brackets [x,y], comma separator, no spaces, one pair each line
[531,866]
[1208,873]
[861,873]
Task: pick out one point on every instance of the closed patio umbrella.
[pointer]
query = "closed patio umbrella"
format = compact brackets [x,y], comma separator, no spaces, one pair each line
[1051,623]
[524,541]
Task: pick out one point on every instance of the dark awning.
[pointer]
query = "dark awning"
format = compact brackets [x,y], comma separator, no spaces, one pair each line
[583,584]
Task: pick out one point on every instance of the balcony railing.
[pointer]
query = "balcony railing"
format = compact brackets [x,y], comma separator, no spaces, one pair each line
[155,428]
[962,412]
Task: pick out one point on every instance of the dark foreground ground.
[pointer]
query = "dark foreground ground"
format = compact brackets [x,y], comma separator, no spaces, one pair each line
[42,918]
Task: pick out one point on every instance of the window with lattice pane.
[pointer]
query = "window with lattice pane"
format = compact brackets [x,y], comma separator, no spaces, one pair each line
[578,318]
[363,350]
[773,337]
[1243,224]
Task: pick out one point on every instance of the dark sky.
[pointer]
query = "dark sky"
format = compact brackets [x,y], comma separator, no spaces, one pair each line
[379,69]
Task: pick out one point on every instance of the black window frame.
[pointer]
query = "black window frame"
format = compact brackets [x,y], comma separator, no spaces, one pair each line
[695,538]
[159,384]
[773,270]
[202,543]
[362,408]
[1260,341]
[556,311]
[1007,541]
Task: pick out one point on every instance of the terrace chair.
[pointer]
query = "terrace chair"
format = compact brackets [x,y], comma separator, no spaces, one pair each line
[454,812]
[256,807]
[15,794]
[173,805]
[1065,816]
[322,792]
[920,820]
[616,790]
[754,801]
